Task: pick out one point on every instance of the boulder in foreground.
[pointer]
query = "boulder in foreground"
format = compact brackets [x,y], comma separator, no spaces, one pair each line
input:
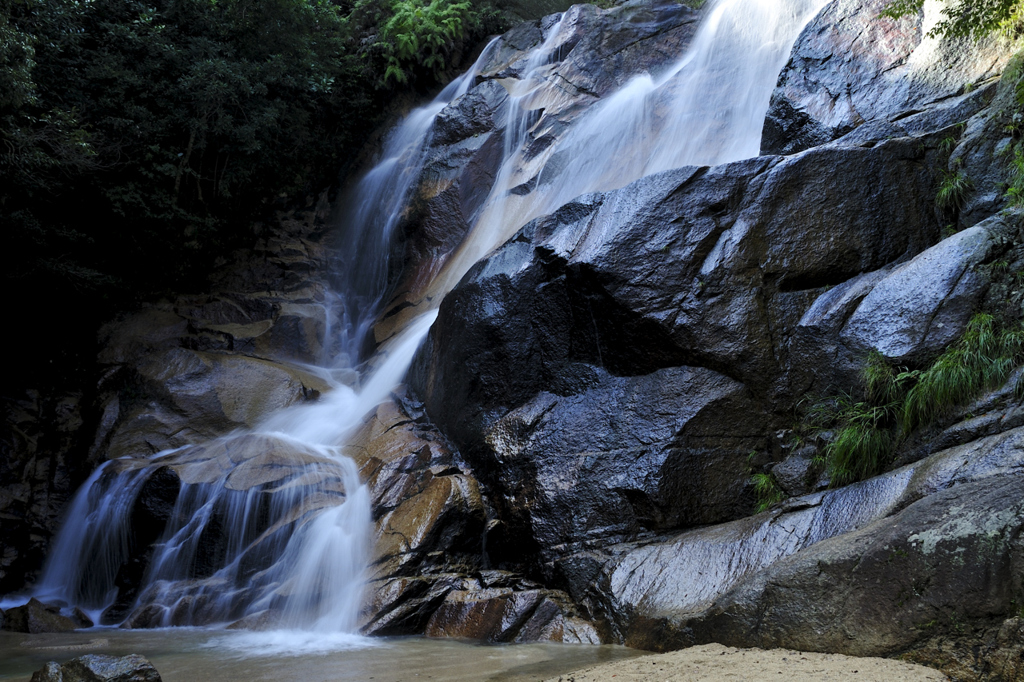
[99,668]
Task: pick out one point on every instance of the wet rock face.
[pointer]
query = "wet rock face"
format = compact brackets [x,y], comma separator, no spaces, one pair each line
[99,668]
[598,51]
[950,558]
[427,504]
[851,67]
[607,370]
[428,572]
[652,591]
[606,353]
[274,482]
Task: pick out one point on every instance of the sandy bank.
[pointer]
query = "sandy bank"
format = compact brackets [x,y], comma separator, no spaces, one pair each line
[714,662]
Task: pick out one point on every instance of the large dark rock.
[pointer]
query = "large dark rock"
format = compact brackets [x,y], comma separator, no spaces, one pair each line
[99,668]
[647,591]
[632,348]
[36,617]
[952,558]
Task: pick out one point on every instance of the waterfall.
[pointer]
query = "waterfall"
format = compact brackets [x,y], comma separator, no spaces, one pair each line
[299,546]
[293,537]
[706,109]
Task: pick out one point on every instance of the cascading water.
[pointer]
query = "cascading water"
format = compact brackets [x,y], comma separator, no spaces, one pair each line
[294,540]
[706,109]
[291,519]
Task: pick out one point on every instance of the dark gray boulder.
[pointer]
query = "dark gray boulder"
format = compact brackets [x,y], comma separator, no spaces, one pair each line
[575,359]
[715,583]
[918,308]
[954,557]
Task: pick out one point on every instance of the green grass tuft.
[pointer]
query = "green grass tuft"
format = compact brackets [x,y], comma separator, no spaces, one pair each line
[953,190]
[767,491]
[1015,189]
[863,444]
[983,358]
[866,434]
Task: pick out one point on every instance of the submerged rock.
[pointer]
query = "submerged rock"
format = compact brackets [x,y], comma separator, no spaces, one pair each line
[99,668]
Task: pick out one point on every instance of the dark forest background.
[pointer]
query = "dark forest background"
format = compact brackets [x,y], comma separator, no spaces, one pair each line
[140,140]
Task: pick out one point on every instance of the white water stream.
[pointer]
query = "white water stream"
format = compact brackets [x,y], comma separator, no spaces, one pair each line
[707,109]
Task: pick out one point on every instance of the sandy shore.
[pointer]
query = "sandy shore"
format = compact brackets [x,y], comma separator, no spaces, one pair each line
[715,662]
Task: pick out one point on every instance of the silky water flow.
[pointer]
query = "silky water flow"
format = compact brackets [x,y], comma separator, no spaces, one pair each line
[273,526]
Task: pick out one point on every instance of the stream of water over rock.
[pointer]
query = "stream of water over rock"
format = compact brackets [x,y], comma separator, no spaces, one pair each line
[276,520]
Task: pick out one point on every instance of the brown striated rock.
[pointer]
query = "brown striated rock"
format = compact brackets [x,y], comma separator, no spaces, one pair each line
[496,615]
[183,397]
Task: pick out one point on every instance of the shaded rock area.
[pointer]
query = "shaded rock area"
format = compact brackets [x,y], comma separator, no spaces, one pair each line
[43,445]
[185,371]
[99,668]
[171,374]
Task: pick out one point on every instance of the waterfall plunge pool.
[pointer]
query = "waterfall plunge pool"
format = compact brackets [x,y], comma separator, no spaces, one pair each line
[208,655]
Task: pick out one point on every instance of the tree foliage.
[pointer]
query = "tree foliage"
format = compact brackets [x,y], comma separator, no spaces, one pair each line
[967,18]
[424,33]
[141,138]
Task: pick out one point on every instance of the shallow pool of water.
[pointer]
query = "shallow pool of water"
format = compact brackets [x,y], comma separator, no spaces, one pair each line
[201,655]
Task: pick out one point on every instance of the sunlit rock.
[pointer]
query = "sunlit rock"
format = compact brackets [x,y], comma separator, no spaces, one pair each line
[852,68]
